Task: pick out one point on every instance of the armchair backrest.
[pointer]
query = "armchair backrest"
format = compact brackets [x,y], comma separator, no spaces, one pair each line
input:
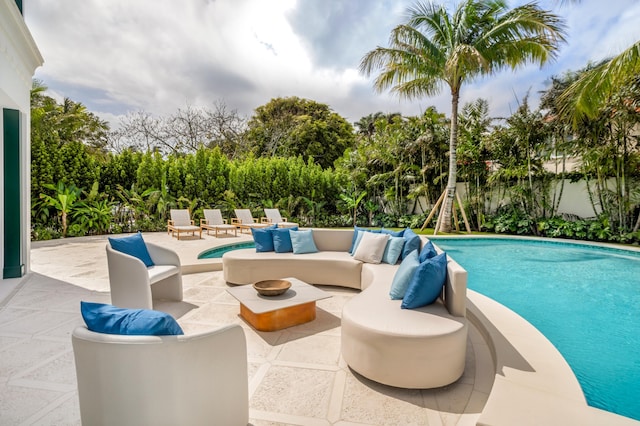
[135,380]
[213,216]
[273,215]
[180,217]
[244,215]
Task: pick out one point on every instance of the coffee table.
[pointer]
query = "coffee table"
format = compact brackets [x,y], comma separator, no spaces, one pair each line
[270,313]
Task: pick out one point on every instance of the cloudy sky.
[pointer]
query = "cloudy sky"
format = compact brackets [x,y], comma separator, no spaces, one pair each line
[120,56]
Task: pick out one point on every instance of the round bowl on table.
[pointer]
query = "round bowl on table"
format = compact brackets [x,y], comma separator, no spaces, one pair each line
[272,287]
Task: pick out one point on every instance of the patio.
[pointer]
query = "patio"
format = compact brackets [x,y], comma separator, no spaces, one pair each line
[302,364]
[513,375]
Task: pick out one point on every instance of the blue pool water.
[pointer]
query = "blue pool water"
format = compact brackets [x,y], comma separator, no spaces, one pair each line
[217,252]
[584,299]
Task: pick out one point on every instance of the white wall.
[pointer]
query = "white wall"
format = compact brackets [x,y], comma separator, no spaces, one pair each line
[19,58]
[574,201]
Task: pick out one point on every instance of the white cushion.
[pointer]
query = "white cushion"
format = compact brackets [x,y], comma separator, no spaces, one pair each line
[371,247]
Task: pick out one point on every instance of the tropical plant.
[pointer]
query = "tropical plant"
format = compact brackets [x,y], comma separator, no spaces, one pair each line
[63,201]
[586,96]
[479,38]
[352,201]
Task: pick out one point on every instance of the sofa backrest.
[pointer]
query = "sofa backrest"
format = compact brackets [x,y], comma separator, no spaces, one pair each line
[333,239]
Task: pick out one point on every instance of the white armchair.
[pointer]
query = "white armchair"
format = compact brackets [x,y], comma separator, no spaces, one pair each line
[133,285]
[162,380]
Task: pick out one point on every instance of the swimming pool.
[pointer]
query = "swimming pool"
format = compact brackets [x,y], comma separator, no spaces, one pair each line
[585,299]
[216,253]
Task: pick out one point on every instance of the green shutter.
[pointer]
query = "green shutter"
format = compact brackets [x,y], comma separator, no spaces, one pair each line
[13,267]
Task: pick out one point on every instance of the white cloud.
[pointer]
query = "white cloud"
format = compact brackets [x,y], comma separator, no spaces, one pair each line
[158,55]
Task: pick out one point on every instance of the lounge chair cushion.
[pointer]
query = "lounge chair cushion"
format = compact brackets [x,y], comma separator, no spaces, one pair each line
[426,284]
[371,247]
[302,242]
[411,242]
[403,275]
[427,252]
[109,319]
[282,239]
[393,250]
[263,238]
[132,245]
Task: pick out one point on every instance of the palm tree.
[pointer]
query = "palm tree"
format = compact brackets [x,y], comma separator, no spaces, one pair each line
[481,37]
[586,96]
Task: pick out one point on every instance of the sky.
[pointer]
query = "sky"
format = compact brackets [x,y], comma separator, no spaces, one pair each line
[123,56]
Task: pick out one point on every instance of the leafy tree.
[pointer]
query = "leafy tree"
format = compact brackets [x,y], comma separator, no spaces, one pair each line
[290,127]
[479,38]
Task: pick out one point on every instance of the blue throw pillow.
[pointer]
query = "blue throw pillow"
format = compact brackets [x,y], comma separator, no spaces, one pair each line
[393,250]
[392,233]
[302,242]
[263,238]
[282,239]
[109,319]
[426,284]
[411,242]
[354,244]
[428,251]
[132,245]
[403,276]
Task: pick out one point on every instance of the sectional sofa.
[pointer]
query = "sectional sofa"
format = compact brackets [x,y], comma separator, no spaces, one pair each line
[409,348]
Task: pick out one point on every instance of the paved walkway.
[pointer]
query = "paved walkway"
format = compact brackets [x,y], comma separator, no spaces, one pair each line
[296,375]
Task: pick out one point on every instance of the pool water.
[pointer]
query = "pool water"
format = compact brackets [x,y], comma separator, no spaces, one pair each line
[216,253]
[584,299]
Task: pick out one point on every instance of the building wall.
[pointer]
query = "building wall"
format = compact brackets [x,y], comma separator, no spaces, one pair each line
[19,58]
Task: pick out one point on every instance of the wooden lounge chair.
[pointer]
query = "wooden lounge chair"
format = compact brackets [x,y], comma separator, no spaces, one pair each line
[181,222]
[213,221]
[273,217]
[244,220]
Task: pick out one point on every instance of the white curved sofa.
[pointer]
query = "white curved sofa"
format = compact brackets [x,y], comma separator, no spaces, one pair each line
[409,348]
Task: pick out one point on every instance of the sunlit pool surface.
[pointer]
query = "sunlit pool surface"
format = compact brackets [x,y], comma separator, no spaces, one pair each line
[216,253]
[584,299]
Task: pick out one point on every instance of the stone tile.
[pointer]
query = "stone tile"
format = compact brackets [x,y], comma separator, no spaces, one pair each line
[215,314]
[202,294]
[18,403]
[452,401]
[335,304]
[294,391]
[29,353]
[60,370]
[311,349]
[67,413]
[9,314]
[371,403]
[42,321]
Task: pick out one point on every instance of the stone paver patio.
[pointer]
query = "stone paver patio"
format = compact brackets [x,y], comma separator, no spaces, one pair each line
[296,375]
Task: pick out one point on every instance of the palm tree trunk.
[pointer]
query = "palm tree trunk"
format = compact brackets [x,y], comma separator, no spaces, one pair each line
[445,224]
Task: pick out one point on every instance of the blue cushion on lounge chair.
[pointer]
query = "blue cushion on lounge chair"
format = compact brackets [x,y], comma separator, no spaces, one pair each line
[282,239]
[263,238]
[302,242]
[109,319]
[426,284]
[411,242]
[132,245]
[403,276]
[428,251]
